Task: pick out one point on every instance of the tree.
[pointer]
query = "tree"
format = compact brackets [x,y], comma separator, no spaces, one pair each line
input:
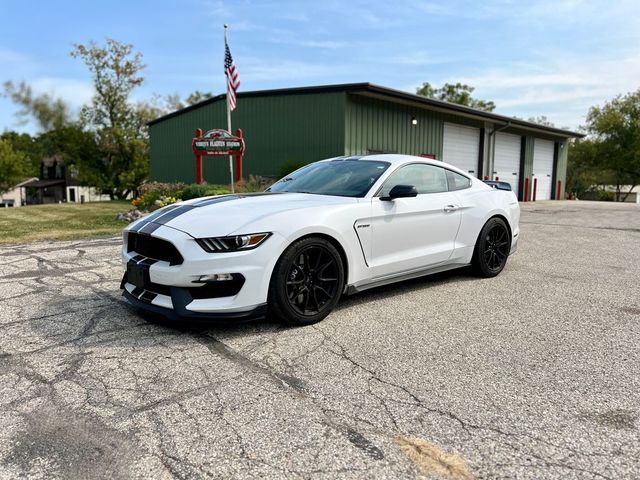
[615,131]
[119,123]
[14,167]
[173,102]
[27,145]
[581,174]
[49,112]
[541,120]
[455,93]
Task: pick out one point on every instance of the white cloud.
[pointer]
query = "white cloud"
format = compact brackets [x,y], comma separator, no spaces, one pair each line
[73,91]
[565,90]
[12,56]
[258,70]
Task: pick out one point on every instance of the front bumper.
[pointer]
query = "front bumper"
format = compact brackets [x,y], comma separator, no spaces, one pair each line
[174,290]
[180,298]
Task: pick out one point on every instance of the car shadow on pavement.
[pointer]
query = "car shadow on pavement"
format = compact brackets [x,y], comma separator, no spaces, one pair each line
[406,286]
[265,324]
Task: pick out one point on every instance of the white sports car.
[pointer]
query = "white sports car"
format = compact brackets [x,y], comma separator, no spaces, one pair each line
[334,227]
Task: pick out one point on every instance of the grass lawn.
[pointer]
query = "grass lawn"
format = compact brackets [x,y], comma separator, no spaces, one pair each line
[64,221]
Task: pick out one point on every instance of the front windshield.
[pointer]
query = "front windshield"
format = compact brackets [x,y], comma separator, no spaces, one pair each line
[343,178]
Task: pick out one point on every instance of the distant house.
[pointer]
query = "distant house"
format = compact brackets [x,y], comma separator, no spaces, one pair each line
[57,184]
[17,196]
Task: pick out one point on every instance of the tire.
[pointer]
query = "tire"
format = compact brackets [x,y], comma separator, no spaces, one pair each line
[307,282]
[492,248]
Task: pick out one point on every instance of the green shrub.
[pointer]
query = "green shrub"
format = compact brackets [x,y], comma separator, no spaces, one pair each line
[604,196]
[217,190]
[161,188]
[290,166]
[255,183]
[194,191]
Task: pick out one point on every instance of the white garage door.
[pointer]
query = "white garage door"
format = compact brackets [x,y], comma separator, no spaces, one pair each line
[543,168]
[461,147]
[506,160]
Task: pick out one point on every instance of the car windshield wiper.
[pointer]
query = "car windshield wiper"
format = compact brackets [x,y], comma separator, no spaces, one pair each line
[303,191]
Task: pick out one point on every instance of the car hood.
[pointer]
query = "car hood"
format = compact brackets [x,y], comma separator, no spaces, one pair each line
[226,214]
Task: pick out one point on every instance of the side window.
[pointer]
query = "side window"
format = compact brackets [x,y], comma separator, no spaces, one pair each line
[457,181]
[426,179]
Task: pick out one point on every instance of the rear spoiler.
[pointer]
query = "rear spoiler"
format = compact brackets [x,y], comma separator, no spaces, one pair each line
[498,185]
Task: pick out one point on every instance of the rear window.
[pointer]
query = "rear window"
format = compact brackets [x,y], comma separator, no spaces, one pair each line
[457,181]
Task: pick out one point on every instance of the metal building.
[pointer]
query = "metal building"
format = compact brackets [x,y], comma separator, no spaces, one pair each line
[311,123]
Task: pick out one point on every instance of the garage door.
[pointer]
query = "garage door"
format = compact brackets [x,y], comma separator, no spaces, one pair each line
[461,147]
[506,160]
[543,168]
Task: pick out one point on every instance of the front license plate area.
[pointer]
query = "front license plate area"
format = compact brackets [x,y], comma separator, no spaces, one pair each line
[136,274]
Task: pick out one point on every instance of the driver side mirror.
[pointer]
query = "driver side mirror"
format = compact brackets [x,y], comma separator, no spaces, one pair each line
[401,191]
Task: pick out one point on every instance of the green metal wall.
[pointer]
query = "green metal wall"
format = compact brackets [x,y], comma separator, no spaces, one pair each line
[301,128]
[378,125]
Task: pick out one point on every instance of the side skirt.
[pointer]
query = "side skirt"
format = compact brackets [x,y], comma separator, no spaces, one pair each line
[356,288]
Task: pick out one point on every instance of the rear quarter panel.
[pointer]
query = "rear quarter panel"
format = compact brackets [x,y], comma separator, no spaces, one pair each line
[479,205]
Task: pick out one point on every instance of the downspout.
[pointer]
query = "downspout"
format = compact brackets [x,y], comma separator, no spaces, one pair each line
[492,142]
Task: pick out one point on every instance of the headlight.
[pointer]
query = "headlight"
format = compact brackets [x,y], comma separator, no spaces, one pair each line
[232,244]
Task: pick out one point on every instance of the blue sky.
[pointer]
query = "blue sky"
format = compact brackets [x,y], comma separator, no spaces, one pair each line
[538,57]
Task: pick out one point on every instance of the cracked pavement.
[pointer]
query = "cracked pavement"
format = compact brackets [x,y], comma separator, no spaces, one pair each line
[533,374]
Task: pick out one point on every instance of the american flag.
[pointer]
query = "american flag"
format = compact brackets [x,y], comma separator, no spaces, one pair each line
[233,81]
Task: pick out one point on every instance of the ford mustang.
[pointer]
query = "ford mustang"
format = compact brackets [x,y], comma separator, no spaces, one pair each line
[333,227]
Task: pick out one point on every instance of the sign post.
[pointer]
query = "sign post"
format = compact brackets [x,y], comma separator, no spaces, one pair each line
[218,143]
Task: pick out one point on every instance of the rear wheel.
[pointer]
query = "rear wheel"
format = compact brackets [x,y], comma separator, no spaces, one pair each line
[492,248]
[307,282]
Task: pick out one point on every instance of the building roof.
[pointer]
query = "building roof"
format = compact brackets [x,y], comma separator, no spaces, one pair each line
[24,182]
[390,94]
[43,183]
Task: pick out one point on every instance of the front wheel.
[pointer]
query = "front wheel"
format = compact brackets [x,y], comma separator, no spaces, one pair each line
[307,282]
[492,248]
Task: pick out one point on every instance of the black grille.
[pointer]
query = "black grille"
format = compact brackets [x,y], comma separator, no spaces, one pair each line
[153,247]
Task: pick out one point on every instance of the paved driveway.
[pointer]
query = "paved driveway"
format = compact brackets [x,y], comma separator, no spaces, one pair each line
[533,374]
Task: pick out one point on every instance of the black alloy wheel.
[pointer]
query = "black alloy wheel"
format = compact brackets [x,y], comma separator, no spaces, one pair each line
[307,282]
[492,248]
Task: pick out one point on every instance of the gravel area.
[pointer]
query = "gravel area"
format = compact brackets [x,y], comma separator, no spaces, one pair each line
[534,374]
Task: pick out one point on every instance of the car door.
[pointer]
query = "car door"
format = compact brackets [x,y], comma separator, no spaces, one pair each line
[417,232]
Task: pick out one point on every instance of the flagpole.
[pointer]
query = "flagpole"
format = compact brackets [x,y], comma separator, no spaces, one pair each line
[228,115]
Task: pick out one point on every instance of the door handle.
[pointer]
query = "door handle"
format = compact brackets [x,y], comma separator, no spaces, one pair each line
[451,208]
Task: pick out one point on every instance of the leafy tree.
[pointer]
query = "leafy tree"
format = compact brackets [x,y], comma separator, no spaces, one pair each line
[14,167]
[197,97]
[49,112]
[173,102]
[615,131]
[26,145]
[119,123]
[581,174]
[541,120]
[455,93]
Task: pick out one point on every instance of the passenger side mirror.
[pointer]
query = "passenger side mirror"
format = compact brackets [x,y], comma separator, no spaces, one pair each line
[401,191]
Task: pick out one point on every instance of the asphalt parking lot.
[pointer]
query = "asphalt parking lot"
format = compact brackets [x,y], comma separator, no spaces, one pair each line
[533,374]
